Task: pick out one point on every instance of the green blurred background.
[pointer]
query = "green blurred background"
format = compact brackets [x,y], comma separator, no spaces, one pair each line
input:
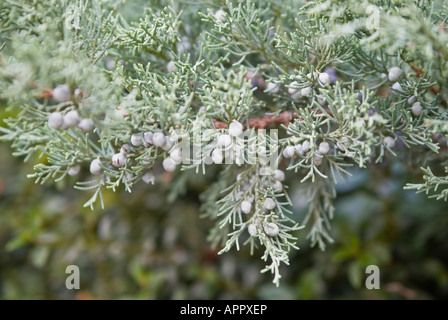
[152,245]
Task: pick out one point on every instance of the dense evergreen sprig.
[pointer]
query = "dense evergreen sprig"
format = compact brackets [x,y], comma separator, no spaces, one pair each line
[344,82]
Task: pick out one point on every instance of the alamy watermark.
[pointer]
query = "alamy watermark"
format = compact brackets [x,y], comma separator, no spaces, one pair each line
[373,280]
[217,146]
[373,20]
[73,280]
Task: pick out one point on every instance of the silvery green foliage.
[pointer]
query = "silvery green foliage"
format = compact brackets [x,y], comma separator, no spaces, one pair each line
[136,70]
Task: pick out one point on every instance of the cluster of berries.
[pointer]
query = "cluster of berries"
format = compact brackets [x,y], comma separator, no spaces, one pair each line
[304,147]
[70,119]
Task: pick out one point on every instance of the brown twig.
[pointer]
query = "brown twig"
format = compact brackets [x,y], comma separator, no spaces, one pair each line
[434,89]
[260,123]
[420,73]
[47,93]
